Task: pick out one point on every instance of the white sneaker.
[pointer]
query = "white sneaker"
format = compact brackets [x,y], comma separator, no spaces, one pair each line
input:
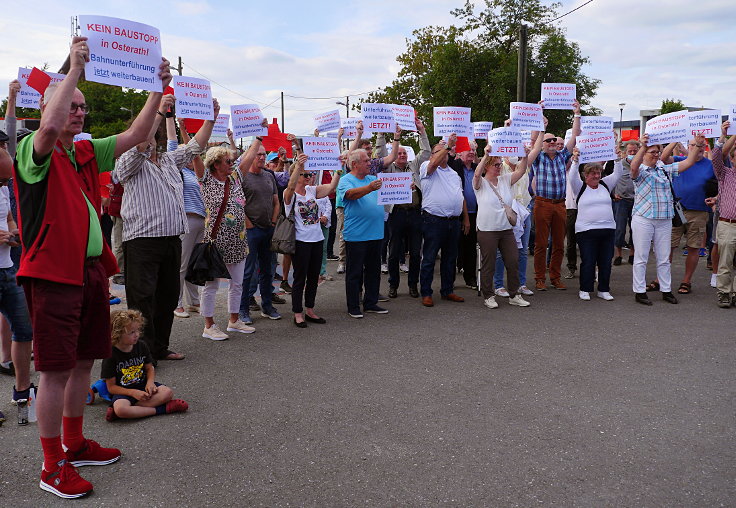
[404,268]
[490,302]
[341,268]
[519,301]
[713,280]
[214,333]
[502,292]
[605,295]
[193,308]
[181,313]
[525,291]
[239,326]
[584,295]
[384,268]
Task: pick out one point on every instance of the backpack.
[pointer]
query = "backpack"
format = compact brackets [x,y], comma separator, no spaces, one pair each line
[582,189]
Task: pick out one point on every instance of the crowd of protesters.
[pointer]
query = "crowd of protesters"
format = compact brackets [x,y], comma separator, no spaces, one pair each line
[55,299]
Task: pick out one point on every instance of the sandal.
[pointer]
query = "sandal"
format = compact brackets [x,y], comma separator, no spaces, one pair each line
[653,286]
[170,355]
[685,288]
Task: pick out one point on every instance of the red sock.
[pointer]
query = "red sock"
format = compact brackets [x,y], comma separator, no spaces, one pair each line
[73,438]
[53,453]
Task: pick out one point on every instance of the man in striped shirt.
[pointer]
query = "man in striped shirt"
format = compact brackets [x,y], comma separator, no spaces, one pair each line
[726,230]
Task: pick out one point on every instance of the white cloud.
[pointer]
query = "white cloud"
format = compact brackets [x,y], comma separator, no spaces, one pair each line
[193,8]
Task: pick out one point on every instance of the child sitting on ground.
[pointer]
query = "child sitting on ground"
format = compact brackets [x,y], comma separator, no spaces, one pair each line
[129,373]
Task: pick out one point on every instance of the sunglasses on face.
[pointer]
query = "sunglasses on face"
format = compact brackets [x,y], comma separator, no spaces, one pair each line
[307,175]
[550,140]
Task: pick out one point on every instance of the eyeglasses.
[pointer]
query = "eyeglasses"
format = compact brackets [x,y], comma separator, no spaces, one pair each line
[73,108]
[550,140]
[497,164]
[306,175]
[655,152]
[227,161]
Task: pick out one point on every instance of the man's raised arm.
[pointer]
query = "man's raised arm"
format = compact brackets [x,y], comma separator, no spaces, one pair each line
[575,127]
[140,128]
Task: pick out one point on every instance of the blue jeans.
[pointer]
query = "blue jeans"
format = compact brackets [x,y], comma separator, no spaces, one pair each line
[362,266]
[523,255]
[596,249]
[258,260]
[622,215]
[404,223]
[13,306]
[439,234]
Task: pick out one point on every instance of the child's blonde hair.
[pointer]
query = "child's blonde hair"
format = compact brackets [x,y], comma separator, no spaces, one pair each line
[121,319]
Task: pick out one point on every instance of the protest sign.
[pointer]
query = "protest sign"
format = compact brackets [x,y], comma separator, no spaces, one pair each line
[404,116]
[222,124]
[410,155]
[596,124]
[28,97]
[481,129]
[377,117]
[525,115]
[193,98]
[450,120]
[395,188]
[329,121]
[322,154]
[558,95]
[122,52]
[247,120]
[597,147]
[526,137]
[672,127]
[568,135]
[732,118]
[348,125]
[706,122]
[506,142]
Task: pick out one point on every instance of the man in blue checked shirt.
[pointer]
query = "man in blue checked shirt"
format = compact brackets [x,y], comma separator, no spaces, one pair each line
[549,169]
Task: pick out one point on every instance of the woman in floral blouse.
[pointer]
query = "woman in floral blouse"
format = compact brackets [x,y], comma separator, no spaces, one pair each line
[230,238]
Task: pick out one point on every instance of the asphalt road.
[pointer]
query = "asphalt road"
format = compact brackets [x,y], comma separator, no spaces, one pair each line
[564,403]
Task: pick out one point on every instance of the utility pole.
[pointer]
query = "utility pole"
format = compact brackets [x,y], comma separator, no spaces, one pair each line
[347,105]
[522,65]
[282,112]
[179,68]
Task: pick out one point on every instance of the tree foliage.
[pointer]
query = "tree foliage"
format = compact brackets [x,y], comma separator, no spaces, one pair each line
[671,105]
[474,63]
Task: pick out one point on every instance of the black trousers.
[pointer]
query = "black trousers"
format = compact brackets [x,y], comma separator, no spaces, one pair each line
[468,255]
[362,268]
[333,230]
[307,262]
[152,286]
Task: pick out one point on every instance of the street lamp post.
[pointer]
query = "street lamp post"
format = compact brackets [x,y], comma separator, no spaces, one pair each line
[621,118]
[346,104]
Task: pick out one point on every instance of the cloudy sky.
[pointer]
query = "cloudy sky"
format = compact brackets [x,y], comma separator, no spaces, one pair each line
[642,51]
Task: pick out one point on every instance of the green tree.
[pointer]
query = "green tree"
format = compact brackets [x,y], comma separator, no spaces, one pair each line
[671,105]
[474,64]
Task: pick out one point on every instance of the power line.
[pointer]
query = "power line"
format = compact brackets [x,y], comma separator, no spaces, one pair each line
[228,89]
[570,12]
[327,98]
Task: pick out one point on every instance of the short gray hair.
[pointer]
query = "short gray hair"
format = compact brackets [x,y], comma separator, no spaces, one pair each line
[355,156]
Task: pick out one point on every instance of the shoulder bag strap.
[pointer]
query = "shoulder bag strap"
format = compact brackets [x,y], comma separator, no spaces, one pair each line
[221,211]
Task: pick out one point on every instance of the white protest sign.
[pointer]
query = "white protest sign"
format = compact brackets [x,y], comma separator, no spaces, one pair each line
[481,129]
[322,154]
[450,120]
[526,137]
[28,97]
[596,124]
[404,116]
[525,115]
[732,118]
[193,98]
[506,142]
[332,134]
[410,155]
[568,135]
[222,124]
[558,95]
[329,121]
[672,127]
[82,136]
[349,132]
[247,120]
[122,52]
[377,117]
[395,188]
[597,147]
[706,122]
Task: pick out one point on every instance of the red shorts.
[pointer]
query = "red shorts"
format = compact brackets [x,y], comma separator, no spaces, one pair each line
[70,323]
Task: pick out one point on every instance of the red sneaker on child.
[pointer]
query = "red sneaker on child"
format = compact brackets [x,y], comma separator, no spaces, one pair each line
[65,482]
[92,454]
[176,406]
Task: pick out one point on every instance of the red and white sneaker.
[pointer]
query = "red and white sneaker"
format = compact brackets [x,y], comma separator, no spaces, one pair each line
[92,454]
[65,482]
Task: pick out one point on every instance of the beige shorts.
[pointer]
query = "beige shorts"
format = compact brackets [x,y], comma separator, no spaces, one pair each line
[694,229]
